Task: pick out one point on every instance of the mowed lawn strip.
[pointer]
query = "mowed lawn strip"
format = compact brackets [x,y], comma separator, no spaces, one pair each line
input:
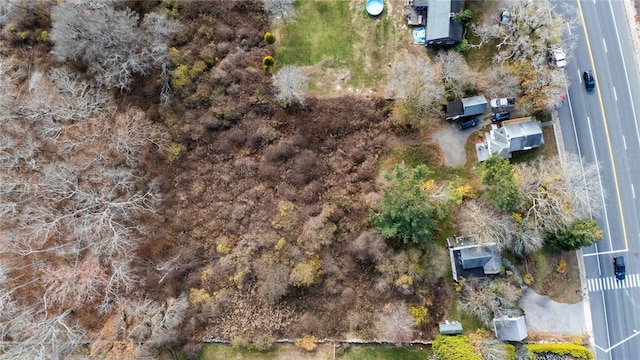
[338,34]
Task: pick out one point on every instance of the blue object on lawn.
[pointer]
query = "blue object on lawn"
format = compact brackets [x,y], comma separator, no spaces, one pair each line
[419,35]
[374,7]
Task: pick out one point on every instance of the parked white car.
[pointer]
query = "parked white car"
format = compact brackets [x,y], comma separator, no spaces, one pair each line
[502,103]
[556,57]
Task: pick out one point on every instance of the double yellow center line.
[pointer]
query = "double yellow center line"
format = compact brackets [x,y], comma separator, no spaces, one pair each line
[606,128]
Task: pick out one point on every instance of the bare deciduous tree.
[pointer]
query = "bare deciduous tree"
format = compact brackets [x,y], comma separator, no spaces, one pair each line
[500,81]
[487,224]
[41,335]
[291,86]
[415,86]
[558,191]
[532,28]
[140,325]
[279,10]
[542,88]
[395,324]
[455,71]
[273,281]
[488,299]
[110,41]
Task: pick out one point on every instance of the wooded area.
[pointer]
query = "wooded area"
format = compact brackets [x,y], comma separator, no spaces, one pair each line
[161,185]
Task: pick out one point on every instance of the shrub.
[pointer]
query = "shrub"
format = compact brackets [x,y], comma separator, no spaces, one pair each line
[454,348]
[419,314]
[562,267]
[175,150]
[269,38]
[198,68]
[239,342]
[464,16]
[263,343]
[511,351]
[305,273]
[223,249]
[180,77]
[267,62]
[307,343]
[573,350]
[528,279]
[280,244]
[199,296]
[462,47]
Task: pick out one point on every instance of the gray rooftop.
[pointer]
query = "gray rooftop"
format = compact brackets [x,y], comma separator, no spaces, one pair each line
[450,327]
[514,135]
[510,329]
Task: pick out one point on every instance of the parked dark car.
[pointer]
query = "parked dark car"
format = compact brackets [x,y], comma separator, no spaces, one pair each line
[589,80]
[468,123]
[618,267]
[499,116]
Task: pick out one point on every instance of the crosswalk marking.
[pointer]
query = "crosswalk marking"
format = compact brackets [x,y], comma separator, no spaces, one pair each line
[611,283]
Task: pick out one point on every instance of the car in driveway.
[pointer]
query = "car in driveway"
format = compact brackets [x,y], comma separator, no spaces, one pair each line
[618,267]
[500,116]
[589,80]
[468,123]
[505,17]
[502,104]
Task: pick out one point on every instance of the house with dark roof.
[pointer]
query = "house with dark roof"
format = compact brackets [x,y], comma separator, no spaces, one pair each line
[470,259]
[442,29]
[438,16]
[510,328]
[514,135]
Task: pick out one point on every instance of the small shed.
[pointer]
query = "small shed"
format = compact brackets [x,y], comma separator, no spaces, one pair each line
[450,328]
[510,328]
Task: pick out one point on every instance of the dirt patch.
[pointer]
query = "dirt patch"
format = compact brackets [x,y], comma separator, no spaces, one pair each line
[560,282]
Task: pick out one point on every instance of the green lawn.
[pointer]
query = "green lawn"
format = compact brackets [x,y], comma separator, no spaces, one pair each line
[385,353]
[469,323]
[227,352]
[338,35]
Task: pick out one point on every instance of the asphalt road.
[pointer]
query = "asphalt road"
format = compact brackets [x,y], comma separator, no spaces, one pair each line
[602,126]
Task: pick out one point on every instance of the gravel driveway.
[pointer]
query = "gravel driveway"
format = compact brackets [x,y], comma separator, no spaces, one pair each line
[452,140]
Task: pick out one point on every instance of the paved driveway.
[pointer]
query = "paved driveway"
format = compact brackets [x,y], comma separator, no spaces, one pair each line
[545,315]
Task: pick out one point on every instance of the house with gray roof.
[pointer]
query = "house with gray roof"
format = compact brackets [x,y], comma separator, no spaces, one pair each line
[470,259]
[514,135]
[437,15]
[510,328]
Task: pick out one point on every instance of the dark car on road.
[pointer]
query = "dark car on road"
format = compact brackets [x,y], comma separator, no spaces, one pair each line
[468,123]
[499,116]
[589,80]
[618,267]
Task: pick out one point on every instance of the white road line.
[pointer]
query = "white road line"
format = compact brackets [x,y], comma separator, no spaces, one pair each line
[633,191]
[604,204]
[568,28]
[624,142]
[615,94]
[605,45]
